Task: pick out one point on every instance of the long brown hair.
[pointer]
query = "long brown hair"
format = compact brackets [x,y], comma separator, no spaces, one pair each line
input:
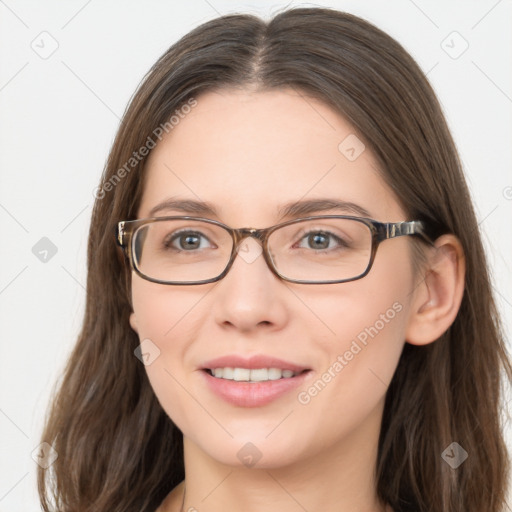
[117,449]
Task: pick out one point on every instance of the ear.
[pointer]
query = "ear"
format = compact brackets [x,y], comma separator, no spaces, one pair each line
[438,297]
[133,322]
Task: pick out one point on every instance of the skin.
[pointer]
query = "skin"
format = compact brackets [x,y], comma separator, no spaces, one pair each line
[248,153]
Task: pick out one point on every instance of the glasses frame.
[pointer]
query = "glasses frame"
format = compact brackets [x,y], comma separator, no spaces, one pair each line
[380,231]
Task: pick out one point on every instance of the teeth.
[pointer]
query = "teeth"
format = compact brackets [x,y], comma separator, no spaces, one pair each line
[258,375]
[274,373]
[241,374]
[252,375]
[229,372]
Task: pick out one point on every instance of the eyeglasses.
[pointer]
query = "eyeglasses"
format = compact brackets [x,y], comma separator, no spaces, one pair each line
[312,250]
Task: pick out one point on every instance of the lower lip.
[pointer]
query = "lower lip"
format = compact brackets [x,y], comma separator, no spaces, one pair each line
[252,394]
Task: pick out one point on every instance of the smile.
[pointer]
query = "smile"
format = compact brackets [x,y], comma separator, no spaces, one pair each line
[237,387]
[251,374]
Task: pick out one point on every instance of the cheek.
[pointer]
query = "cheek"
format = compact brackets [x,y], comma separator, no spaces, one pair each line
[367,320]
[161,314]
[166,318]
[359,361]
[162,311]
[366,340]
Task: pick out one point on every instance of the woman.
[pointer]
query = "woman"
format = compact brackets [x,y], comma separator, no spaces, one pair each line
[342,354]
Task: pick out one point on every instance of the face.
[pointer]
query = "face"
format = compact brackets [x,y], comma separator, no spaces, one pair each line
[248,154]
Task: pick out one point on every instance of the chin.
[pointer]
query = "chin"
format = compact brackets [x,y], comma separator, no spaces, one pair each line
[254,452]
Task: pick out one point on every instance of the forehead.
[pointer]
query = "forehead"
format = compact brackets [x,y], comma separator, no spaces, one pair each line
[251,152]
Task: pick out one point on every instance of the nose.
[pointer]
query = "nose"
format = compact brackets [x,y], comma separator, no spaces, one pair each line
[249,295]
[249,264]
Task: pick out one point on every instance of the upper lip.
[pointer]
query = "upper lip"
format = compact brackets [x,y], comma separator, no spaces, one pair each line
[251,362]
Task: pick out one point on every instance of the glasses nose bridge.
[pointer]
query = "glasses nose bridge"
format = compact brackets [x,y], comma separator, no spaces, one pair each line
[260,234]
[241,233]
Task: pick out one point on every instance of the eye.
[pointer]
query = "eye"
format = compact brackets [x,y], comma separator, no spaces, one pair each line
[321,240]
[185,240]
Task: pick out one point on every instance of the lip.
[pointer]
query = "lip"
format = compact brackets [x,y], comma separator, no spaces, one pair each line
[252,362]
[252,394]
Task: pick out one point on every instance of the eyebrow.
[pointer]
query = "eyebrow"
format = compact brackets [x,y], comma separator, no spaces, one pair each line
[292,209]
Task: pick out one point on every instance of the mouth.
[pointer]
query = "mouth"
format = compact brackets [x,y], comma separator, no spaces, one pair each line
[256,386]
[252,375]
[253,380]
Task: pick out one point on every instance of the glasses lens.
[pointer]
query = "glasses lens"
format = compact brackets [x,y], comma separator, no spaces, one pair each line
[322,249]
[181,250]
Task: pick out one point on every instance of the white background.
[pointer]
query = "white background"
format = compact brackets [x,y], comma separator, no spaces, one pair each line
[58,117]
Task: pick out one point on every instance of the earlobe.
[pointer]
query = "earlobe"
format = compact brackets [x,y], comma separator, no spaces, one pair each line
[133,322]
[438,297]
